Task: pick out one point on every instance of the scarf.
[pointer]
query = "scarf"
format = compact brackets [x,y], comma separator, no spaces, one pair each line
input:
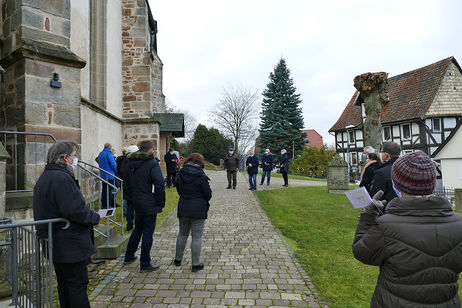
[365,167]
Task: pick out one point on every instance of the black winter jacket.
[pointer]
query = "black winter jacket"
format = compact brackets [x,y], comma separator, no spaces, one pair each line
[193,187]
[231,163]
[56,195]
[418,246]
[171,165]
[144,183]
[369,175]
[254,161]
[382,181]
[269,160]
[284,163]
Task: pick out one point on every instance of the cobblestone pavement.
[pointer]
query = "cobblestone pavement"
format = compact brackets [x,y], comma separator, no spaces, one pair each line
[246,263]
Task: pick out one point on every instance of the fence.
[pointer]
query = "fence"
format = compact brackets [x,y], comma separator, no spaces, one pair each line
[29,261]
[91,185]
[446,192]
[28,153]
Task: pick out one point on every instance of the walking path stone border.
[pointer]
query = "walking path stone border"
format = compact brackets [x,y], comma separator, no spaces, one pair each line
[247,263]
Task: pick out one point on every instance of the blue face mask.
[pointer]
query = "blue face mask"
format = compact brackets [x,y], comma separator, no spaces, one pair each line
[231,152]
[397,192]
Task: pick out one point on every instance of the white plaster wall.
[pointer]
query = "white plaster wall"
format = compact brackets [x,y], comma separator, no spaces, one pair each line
[97,130]
[114,57]
[452,172]
[80,39]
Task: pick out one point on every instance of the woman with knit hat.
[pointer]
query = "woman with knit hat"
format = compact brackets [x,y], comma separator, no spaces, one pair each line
[417,243]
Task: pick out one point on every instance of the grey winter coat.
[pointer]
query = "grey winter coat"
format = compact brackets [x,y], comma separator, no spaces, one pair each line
[418,246]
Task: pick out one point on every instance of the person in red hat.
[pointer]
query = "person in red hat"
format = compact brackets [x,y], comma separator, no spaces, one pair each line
[417,242]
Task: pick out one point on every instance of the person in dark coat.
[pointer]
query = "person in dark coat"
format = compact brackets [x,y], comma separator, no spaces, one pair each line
[284,167]
[56,195]
[231,164]
[107,162]
[121,161]
[372,164]
[267,166]
[390,152]
[252,170]
[171,160]
[193,187]
[417,243]
[144,185]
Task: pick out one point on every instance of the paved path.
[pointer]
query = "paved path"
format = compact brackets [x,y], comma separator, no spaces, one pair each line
[246,263]
[277,182]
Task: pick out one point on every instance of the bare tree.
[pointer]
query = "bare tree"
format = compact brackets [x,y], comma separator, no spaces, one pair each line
[235,116]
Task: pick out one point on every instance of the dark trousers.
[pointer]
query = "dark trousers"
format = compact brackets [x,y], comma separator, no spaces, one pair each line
[144,227]
[231,174]
[129,213]
[107,191]
[265,173]
[286,180]
[72,284]
[171,179]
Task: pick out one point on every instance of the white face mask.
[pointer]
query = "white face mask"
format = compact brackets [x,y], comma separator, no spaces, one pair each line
[75,162]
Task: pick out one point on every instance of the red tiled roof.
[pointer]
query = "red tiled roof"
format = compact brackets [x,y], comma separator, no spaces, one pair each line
[410,94]
[314,138]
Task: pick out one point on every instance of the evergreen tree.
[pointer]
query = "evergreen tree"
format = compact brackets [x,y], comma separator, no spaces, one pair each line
[210,143]
[281,115]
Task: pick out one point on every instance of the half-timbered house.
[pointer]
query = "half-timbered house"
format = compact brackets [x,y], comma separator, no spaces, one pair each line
[424,107]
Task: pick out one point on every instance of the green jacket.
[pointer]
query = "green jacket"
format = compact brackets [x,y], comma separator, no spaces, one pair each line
[418,246]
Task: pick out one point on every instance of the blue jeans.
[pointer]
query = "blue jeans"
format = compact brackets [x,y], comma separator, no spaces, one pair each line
[129,213]
[253,181]
[263,177]
[144,227]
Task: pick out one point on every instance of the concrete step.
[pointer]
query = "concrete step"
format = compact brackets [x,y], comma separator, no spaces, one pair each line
[112,248]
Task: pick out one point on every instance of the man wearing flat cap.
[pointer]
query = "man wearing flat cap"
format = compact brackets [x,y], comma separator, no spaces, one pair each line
[231,165]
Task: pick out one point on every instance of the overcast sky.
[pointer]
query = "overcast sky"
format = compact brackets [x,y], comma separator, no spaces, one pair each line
[206,45]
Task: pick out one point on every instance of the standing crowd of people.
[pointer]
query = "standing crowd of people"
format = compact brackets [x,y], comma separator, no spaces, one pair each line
[412,235]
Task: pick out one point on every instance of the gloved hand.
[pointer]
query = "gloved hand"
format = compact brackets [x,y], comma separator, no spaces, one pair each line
[376,206]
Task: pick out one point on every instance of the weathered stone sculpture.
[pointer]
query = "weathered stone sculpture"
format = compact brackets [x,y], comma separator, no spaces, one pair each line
[337,175]
[373,90]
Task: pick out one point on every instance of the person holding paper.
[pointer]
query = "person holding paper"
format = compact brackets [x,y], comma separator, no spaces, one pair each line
[56,195]
[417,243]
[142,173]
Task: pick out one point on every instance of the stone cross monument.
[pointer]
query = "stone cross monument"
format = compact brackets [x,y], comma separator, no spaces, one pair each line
[373,90]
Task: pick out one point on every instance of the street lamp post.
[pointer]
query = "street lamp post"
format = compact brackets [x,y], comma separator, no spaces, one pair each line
[348,150]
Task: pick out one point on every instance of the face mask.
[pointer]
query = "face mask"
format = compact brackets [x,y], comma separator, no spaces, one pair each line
[231,152]
[397,192]
[251,155]
[75,162]
[364,156]
[266,153]
[282,153]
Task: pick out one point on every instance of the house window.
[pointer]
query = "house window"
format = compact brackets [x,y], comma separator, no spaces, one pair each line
[354,160]
[352,137]
[386,133]
[436,125]
[406,131]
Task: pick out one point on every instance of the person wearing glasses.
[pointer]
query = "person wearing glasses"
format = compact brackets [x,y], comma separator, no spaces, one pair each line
[56,195]
[389,153]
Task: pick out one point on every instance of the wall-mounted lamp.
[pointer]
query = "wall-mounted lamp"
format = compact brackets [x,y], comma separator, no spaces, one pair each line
[55,83]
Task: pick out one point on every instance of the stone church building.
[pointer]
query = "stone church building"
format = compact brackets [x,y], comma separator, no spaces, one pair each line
[87,71]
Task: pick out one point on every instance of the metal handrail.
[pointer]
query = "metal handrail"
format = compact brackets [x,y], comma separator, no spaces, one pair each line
[101,169]
[26,249]
[114,188]
[28,133]
[34,223]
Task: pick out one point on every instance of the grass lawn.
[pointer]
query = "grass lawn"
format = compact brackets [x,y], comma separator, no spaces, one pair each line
[291,176]
[320,227]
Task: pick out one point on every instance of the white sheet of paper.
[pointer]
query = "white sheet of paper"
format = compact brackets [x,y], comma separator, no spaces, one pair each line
[359,198]
[106,212]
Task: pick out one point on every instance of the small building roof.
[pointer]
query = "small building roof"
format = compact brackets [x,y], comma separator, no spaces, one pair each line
[171,122]
[410,95]
[314,138]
